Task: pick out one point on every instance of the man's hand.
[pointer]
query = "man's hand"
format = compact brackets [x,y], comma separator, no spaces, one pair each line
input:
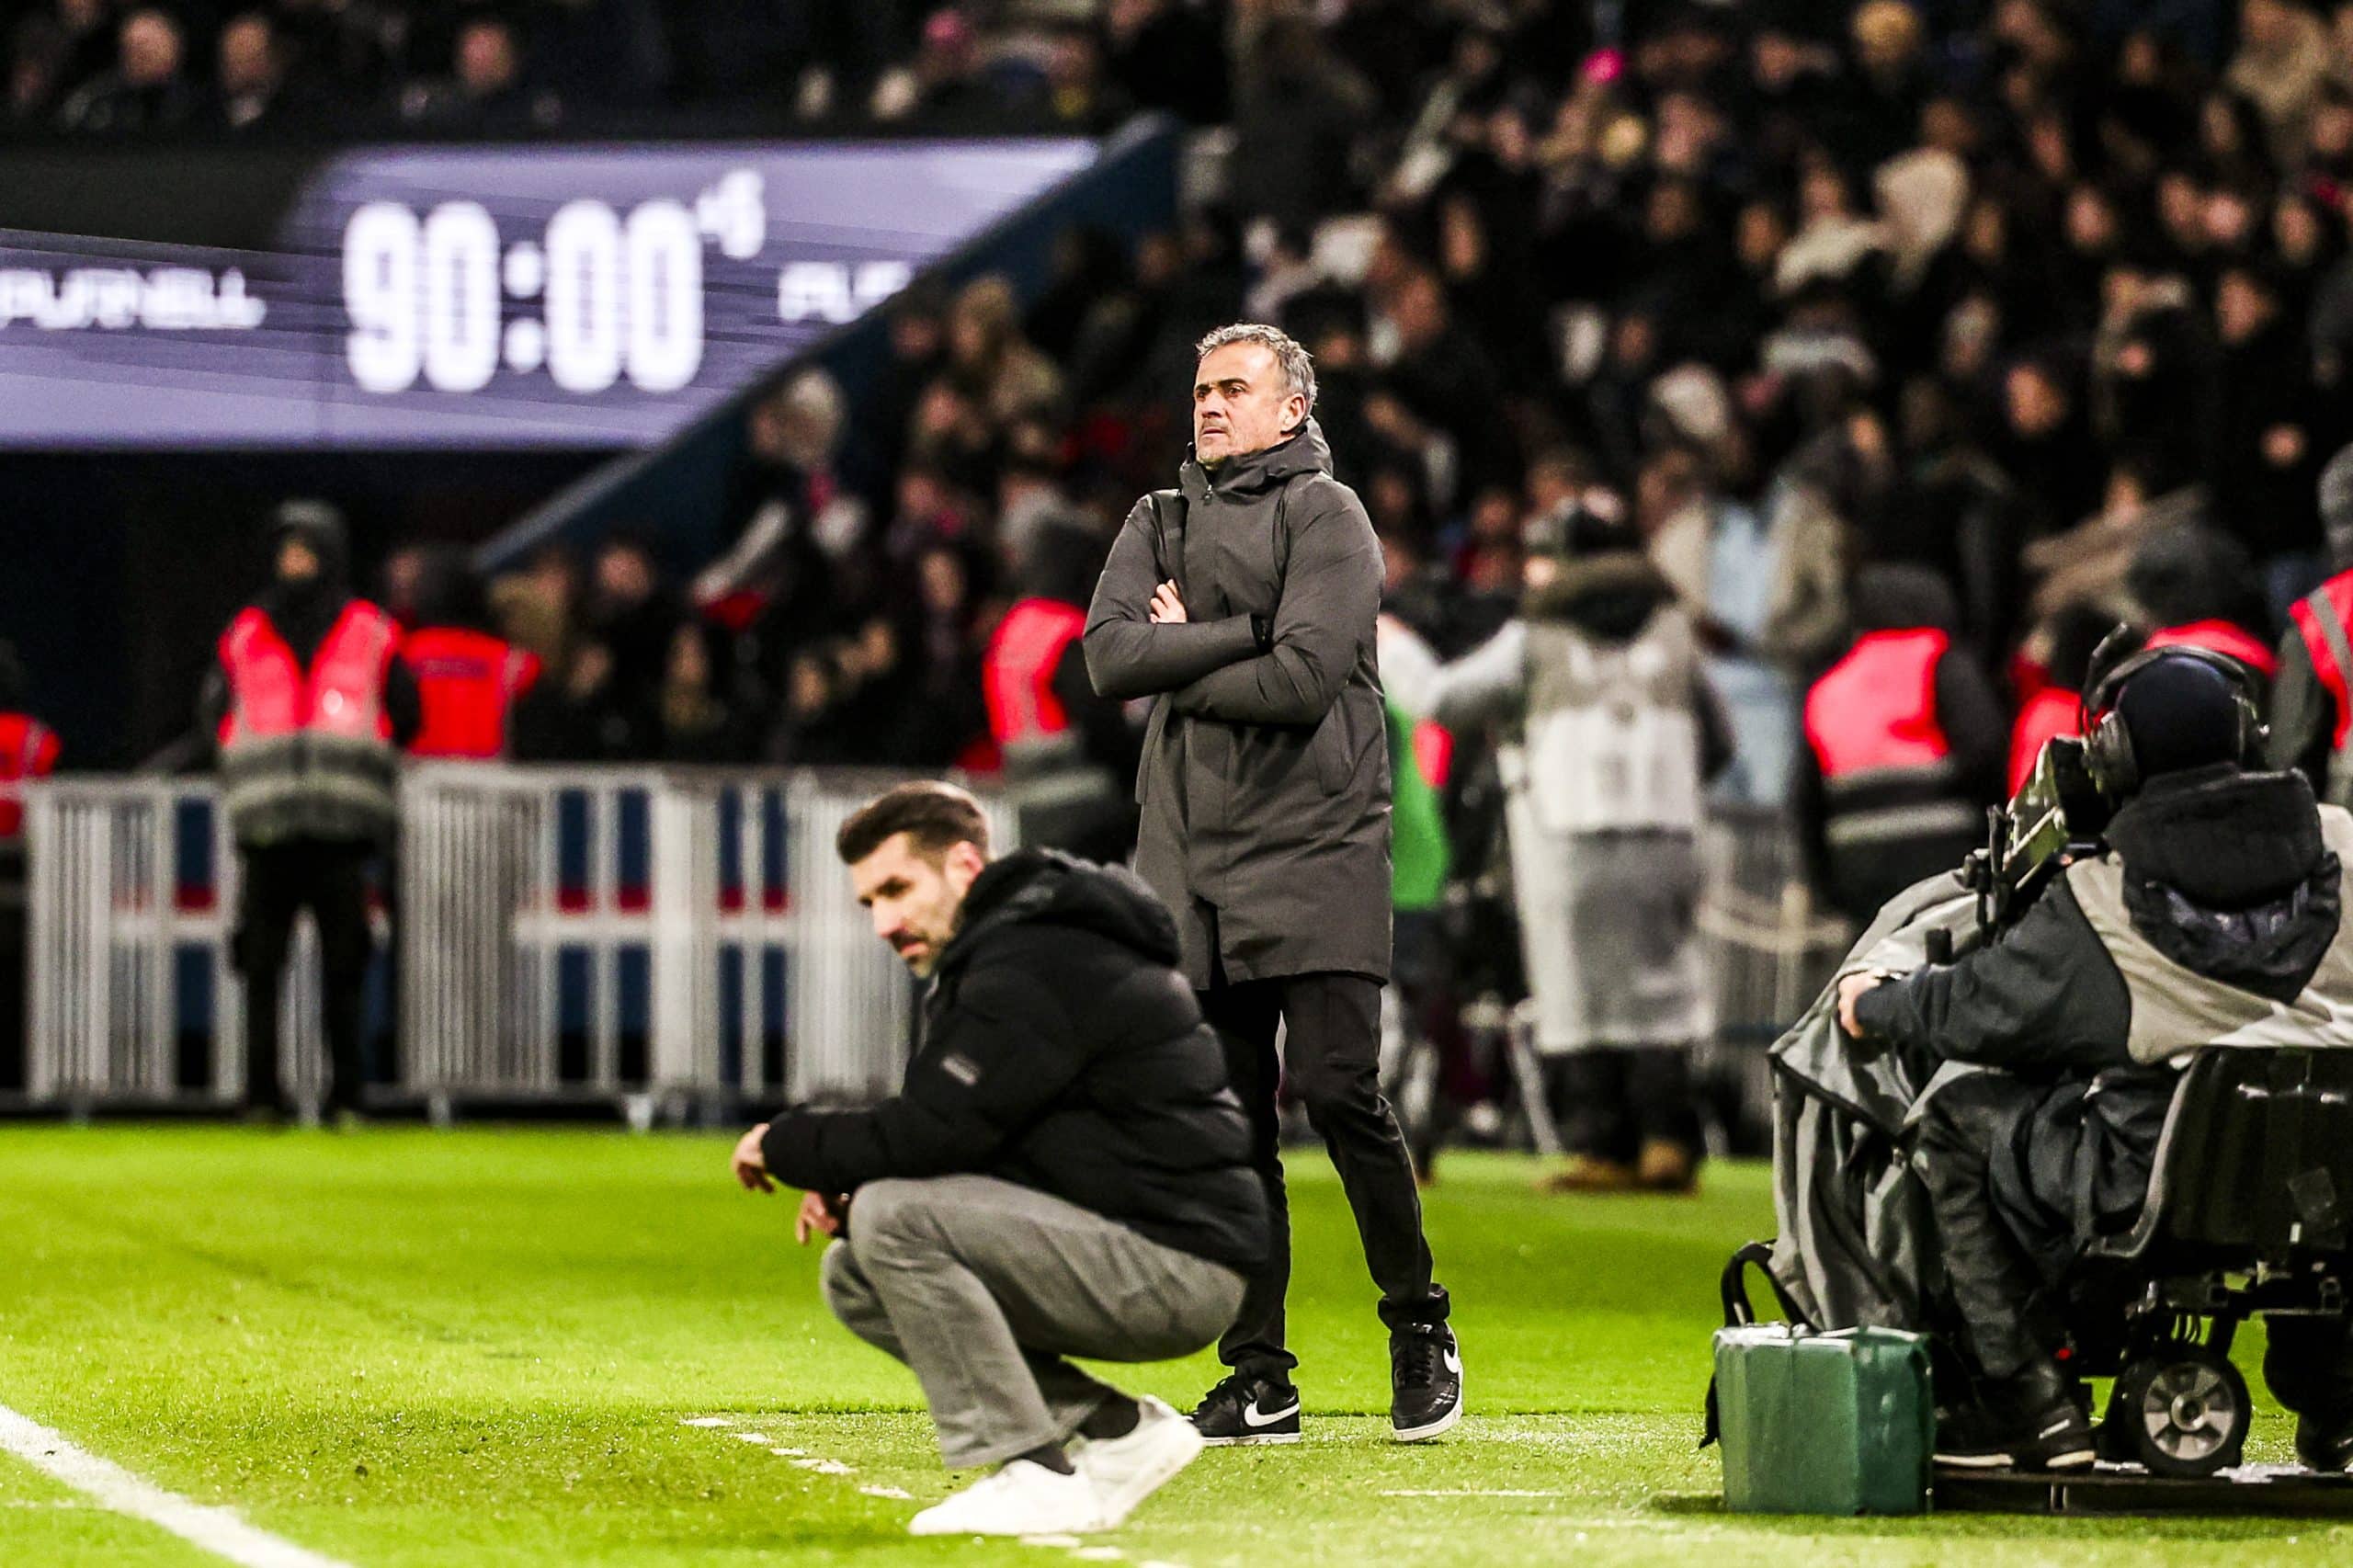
[1168,606]
[752,1166]
[1850,991]
[816,1218]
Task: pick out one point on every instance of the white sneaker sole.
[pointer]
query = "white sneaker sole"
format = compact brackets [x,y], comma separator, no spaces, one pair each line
[1180,1445]
[1089,1525]
[1254,1441]
[2076,1461]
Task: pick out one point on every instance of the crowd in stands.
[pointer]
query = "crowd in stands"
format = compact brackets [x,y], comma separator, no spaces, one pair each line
[341,68]
[2051,302]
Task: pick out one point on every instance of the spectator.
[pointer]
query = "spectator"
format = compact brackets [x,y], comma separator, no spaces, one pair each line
[250,88]
[989,362]
[486,93]
[2283,60]
[700,722]
[145,91]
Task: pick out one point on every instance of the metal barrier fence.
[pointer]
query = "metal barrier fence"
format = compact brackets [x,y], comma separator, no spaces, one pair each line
[1771,947]
[650,937]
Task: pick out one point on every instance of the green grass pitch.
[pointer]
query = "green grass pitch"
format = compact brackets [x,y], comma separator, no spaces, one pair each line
[409,1347]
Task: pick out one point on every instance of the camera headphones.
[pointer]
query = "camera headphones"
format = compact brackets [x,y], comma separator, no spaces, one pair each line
[2107,745]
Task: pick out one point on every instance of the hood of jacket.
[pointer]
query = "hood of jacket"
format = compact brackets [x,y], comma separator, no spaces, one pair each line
[2225,873]
[1046,887]
[1303,452]
[1610,595]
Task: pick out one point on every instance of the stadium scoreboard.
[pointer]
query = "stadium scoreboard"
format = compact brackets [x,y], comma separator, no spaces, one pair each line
[489,298]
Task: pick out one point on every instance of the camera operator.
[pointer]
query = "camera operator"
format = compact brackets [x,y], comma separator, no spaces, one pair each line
[2215,908]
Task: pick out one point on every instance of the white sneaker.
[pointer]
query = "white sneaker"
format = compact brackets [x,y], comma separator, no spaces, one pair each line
[1127,1469]
[1024,1498]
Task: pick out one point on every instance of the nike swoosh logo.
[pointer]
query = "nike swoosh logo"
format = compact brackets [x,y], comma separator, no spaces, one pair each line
[1253,1416]
[1454,1362]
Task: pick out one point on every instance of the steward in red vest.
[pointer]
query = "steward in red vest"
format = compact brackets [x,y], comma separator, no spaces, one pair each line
[1070,755]
[27,751]
[1904,746]
[2197,585]
[2311,709]
[467,679]
[309,700]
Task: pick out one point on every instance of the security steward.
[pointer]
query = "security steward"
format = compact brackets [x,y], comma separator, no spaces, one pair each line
[1068,753]
[2218,903]
[468,677]
[28,750]
[2312,709]
[309,700]
[1904,746]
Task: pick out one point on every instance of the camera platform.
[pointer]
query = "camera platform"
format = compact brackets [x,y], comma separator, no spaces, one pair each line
[2258,1489]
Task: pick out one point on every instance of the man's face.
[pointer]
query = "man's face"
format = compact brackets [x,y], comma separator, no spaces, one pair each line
[1241,403]
[297,561]
[914,900]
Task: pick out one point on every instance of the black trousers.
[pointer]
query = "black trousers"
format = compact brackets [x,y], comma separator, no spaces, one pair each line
[1622,1097]
[329,878]
[1997,1290]
[1333,1056]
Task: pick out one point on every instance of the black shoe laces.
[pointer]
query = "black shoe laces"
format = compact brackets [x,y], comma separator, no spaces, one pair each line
[1420,1357]
[1233,1388]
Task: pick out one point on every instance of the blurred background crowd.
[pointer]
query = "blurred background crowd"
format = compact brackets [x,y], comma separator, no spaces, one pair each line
[2009,319]
[2052,303]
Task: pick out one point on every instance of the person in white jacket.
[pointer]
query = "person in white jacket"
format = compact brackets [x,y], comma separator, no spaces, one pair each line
[1607,730]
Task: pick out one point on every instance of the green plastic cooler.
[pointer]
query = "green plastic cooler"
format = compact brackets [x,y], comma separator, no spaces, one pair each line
[1824,1423]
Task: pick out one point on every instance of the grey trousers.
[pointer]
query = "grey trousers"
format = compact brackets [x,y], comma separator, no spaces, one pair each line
[982,1287]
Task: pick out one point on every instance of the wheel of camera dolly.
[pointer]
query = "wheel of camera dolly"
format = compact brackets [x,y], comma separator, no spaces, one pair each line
[2181,1410]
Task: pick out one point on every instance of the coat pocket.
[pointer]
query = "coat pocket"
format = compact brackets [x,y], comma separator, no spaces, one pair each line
[1333,751]
[1155,728]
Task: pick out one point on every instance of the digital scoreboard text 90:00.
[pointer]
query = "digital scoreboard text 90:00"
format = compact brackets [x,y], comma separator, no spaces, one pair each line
[601,295]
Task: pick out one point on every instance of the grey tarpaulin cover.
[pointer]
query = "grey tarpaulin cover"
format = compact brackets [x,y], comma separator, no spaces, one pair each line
[1856,1242]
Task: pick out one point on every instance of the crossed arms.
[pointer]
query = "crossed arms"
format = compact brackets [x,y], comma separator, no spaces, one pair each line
[1215,669]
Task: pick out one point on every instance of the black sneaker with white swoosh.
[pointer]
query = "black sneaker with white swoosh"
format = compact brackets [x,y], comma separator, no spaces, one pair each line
[1245,1409]
[1425,1382]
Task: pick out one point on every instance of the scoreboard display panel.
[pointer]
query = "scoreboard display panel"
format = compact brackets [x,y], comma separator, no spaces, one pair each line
[489,297]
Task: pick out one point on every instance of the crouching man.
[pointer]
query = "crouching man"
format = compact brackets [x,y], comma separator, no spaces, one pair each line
[2216,911]
[1065,1172]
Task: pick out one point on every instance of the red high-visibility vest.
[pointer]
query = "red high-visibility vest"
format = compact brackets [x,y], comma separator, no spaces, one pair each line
[466,686]
[1876,709]
[2047,714]
[341,694]
[1017,670]
[27,751]
[2218,637]
[2338,593]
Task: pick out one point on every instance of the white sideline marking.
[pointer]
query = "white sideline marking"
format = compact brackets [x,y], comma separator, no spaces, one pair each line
[214,1529]
[1468,1492]
[1075,1545]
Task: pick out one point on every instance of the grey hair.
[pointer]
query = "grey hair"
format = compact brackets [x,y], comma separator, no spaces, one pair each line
[1297,365]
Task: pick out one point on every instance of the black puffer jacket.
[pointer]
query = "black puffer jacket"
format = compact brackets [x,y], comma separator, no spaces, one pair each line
[2225,873]
[1061,1050]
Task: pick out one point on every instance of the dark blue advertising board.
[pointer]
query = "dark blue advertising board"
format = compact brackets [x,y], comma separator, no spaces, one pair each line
[489,297]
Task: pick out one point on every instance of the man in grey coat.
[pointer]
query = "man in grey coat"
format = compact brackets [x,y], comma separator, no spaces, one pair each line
[1243,604]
